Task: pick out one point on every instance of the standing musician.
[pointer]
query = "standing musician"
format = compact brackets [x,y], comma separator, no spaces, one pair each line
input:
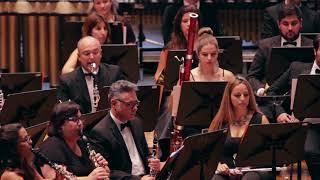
[16,157]
[65,146]
[120,137]
[237,111]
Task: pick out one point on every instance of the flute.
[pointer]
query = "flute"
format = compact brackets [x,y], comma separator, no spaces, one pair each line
[247,169]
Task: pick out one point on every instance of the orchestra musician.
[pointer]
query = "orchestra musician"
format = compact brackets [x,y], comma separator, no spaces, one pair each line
[109,10]
[95,26]
[120,138]
[79,84]
[64,145]
[16,157]
[283,84]
[237,111]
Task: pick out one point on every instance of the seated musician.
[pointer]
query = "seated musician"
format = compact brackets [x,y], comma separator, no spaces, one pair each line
[120,138]
[95,26]
[16,157]
[237,111]
[66,147]
[283,84]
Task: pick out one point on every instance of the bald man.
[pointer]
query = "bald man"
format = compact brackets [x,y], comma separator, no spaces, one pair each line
[78,85]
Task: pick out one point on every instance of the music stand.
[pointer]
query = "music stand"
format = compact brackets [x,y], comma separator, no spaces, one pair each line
[199,102]
[171,73]
[148,96]
[20,82]
[307,97]
[266,145]
[282,57]
[125,56]
[116,29]
[197,159]
[91,119]
[230,53]
[38,133]
[310,35]
[71,34]
[28,108]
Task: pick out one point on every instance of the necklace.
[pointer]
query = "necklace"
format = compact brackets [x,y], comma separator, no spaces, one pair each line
[242,121]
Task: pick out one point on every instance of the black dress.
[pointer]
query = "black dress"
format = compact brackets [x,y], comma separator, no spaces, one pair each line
[56,150]
[230,149]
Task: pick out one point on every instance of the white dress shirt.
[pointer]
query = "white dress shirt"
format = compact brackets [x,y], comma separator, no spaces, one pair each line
[298,40]
[137,164]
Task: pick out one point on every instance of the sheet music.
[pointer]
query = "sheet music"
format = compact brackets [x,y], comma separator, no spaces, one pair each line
[124,35]
[293,91]
[176,92]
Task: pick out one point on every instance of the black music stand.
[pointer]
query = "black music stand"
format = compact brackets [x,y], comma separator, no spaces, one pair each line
[149,104]
[282,57]
[230,53]
[28,108]
[38,133]
[266,145]
[307,97]
[197,159]
[91,119]
[20,82]
[171,73]
[310,35]
[199,102]
[125,56]
[71,34]
[117,32]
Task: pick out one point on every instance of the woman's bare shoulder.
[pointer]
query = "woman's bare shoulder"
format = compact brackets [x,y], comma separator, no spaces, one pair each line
[10,175]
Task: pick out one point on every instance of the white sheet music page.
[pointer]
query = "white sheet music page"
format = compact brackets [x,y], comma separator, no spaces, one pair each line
[293,91]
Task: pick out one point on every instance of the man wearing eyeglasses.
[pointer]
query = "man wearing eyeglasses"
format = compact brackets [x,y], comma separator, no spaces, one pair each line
[120,137]
[82,84]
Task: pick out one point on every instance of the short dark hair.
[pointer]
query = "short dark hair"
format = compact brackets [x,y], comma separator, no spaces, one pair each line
[316,42]
[289,10]
[62,112]
[119,87]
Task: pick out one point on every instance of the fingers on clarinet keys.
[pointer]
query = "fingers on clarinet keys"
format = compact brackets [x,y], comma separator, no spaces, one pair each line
[154,165]
[99,173]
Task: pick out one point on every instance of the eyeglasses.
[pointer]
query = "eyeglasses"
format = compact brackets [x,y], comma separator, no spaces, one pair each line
[74,119]
[131,104]
[26,139]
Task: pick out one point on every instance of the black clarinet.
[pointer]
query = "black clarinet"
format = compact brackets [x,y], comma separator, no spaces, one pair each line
[66,174]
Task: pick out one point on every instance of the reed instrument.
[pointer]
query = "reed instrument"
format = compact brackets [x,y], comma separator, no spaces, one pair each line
[184,75]
[153,172]
[58,168]
[92,153]
[95,93]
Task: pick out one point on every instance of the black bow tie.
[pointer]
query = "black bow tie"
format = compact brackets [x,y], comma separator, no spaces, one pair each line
[124,125]
[317,71]
[88,74]
[291,43]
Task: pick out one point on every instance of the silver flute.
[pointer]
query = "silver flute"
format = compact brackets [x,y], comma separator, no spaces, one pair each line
[59,169]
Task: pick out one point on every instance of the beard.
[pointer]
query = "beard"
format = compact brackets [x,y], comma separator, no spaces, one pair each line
[293,38]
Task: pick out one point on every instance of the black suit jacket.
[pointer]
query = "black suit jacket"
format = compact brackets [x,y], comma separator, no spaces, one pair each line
[257,72]
[107,140]
[208,18]
[73,85]
[283,84]
[310,21]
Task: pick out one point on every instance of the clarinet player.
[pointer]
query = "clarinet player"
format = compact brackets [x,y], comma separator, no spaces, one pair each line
[65,146]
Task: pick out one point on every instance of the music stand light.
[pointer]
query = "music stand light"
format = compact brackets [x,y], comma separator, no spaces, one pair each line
[199,102]
[197,159]
[29,108]
[266,145]
[20,82]
[148,96]
[125,56]
[307,97]
[282,57]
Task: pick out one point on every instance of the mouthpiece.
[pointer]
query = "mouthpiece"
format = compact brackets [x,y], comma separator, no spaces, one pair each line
[94,68]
